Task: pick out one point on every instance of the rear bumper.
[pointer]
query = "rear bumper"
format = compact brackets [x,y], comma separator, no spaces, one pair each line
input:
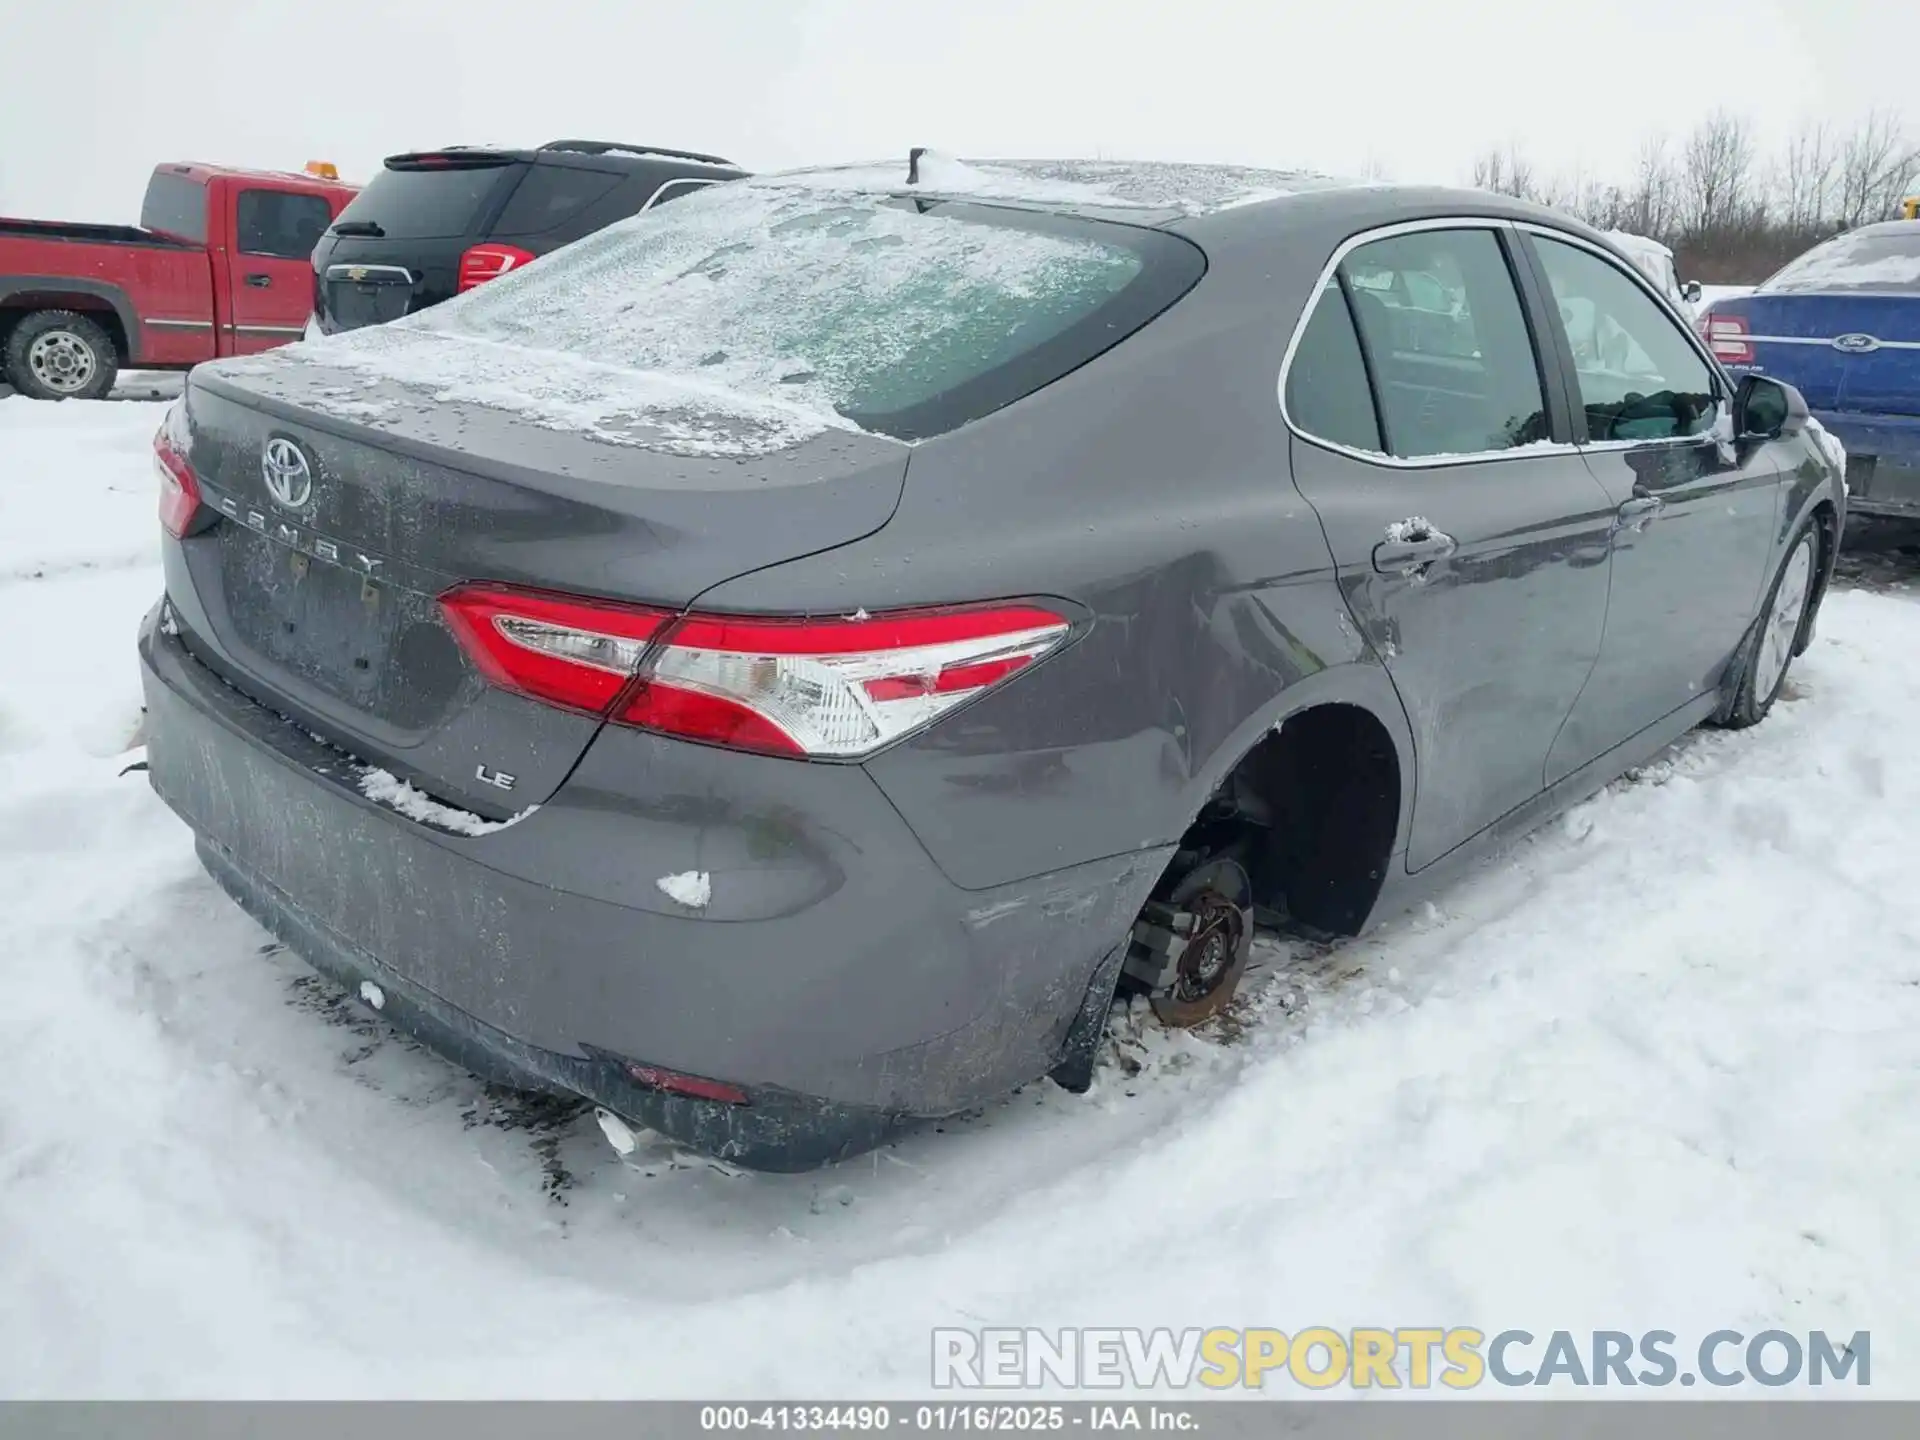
[1883,460]
[836,975]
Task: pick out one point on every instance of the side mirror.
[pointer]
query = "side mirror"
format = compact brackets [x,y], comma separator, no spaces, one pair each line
[1767,409]
[1692,291]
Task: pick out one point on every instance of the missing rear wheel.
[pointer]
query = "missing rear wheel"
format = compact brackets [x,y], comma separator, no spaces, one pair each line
[1190,950]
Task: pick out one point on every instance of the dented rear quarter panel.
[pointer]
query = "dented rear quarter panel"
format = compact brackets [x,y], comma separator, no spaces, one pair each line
[1152,490]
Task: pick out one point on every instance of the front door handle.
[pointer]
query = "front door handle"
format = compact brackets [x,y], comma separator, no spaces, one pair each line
[1638,512]
[1412,545]
[259,281]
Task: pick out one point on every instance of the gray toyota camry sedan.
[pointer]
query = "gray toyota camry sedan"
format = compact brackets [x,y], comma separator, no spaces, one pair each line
[778,666]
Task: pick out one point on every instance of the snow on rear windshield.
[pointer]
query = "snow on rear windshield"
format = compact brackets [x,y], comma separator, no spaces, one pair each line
[1871,259]
[781,310]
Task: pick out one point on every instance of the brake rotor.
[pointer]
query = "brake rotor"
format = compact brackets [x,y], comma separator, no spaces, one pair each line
[1218,948]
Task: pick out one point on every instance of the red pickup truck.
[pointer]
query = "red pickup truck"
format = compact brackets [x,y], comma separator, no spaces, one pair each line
[219,265]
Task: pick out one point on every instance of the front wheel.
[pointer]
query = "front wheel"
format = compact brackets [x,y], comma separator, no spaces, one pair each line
[1777,634]
[61,355]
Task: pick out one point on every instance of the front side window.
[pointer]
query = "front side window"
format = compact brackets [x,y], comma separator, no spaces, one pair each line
[273,222]
[1328,396]
[1640,378]
[1453,364]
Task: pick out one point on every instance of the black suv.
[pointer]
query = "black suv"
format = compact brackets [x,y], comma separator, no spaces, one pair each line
[433,224]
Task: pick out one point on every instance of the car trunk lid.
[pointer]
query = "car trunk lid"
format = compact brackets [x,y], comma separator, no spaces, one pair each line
[323,603]
[1842,351]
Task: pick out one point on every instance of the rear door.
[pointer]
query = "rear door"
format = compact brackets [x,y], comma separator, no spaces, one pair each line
[1470,537]
[1695,518]
[271,274]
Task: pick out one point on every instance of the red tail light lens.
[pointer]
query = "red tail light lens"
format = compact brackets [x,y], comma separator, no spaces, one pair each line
[656,1078]
[179,487]
[1727,334]
[839,688]
[836,689]
[482,263]
[579,654]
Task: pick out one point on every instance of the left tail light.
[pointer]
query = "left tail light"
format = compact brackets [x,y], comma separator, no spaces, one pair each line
[1728,336]
[481,263]
[828,689]
[179,487]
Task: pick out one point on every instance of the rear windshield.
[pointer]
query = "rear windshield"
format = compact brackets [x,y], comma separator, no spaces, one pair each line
[1864,260]
[175,206]
[438,203]
[905,317]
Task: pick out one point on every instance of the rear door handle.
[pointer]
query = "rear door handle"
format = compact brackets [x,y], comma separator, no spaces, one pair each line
[1411,546]
[259,281]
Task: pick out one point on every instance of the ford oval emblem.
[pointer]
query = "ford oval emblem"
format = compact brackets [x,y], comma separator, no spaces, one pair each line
[1856,344]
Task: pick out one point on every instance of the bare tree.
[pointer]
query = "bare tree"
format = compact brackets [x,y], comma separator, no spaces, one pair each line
[1717,166]
[1878,162]
[1652,205]
[1806,183]
[1505,171]
[1728,212]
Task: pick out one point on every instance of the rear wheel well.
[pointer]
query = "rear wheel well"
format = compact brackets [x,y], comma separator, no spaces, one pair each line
[16,308]
[1310,813]
[1826,524]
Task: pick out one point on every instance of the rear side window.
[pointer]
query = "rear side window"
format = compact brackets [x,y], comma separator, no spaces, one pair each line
[907,317]
[550,195]
[1872,259]
[1640,378]
[427,203]
[176,206]
[274,222]
[1447,340]
[1328,396]
[674,189]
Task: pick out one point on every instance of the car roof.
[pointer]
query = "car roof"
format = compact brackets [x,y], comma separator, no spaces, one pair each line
[1141,190]
[584,154]
[1884,227]
[200,173]
[1195,198]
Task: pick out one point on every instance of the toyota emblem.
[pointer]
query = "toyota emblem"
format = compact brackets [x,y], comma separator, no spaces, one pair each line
[287,471]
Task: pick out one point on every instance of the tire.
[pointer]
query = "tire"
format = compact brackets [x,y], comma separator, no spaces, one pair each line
[1777,633]
[61,355]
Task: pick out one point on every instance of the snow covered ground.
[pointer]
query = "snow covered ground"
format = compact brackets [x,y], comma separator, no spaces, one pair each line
[1654,1068]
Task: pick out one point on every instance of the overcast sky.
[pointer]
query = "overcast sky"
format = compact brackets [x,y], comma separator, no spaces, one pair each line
[98,91]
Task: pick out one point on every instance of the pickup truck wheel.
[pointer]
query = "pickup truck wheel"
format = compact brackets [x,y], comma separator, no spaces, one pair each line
[61,355]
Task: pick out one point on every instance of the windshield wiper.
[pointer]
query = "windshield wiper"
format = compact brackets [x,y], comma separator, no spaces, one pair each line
[359,227]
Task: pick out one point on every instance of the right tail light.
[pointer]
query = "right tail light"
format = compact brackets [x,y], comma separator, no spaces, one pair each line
[482,263]
[838,688]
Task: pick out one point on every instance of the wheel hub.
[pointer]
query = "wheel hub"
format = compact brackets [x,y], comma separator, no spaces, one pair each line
[1210,953]
[61,361]
[1190,949]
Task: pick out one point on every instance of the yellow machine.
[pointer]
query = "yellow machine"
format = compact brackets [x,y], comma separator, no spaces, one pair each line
[1910,207]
